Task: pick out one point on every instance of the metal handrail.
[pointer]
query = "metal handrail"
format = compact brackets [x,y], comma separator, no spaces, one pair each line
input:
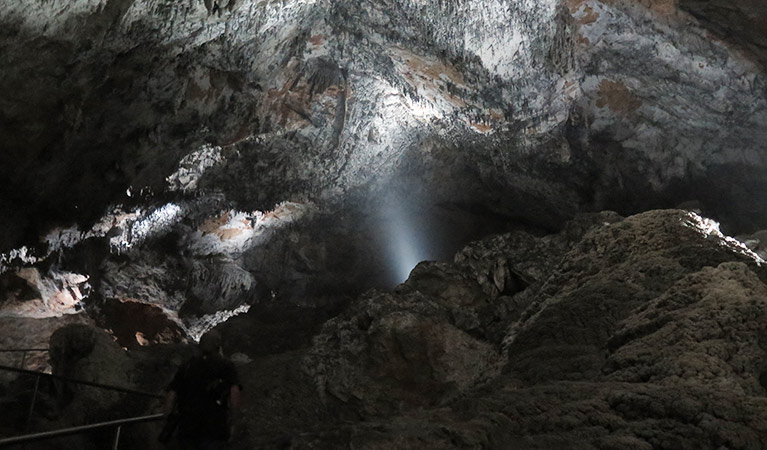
[79,429]
[11,350]
[83,382]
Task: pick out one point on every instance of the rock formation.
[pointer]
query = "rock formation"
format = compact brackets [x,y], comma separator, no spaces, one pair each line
[644,333]
[227,143]
[532,109]
[167,166]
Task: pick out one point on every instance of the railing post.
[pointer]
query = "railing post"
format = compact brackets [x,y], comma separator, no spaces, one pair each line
[32,404]
[117,437]
[73,430]
[23,359]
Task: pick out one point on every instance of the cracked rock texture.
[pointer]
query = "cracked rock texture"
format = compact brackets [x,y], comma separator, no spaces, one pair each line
[289,147]
[167,165]
[536,109]
[203,157]
[645,332]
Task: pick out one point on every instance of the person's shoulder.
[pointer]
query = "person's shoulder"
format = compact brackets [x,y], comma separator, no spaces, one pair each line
[224,362]
[194,361]
[193,365]
[214,361]
[184,367]
[227,366]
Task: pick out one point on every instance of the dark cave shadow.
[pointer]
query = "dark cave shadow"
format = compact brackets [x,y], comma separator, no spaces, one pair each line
[81,124]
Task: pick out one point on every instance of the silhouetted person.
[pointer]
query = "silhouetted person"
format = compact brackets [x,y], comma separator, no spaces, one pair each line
[204,391]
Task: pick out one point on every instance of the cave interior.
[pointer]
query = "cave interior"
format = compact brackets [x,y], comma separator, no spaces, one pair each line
[426,224]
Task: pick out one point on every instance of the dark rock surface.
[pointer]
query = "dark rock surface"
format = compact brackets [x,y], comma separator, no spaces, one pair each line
[533,110]
[644,332]
[166,166]
[202,162]
[640,333]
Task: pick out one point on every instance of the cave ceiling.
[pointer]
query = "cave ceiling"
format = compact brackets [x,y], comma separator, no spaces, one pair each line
[220,123]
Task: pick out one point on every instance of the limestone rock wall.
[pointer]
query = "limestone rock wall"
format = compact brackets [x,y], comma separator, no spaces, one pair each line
[225,139]
[642,332]
[563,105]
[646,334]
[192,159]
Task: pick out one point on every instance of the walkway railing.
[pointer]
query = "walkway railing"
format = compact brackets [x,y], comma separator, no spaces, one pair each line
[81,429]
[108,387]
[74,430]
[24,352]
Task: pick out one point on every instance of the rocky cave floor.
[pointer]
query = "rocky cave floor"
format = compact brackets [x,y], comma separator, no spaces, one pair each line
[645,332]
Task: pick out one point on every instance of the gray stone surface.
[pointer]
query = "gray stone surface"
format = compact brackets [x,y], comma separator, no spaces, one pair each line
[200,158]
[643,332]
[183,156]
[646,334]
[537,109]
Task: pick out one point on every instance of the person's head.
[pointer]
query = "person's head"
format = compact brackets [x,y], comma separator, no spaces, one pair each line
[210,342]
